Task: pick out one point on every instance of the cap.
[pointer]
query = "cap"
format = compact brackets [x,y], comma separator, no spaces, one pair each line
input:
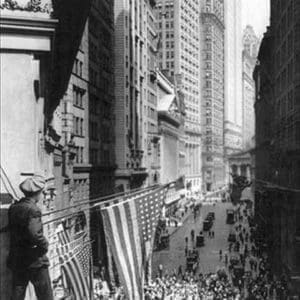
[34,184]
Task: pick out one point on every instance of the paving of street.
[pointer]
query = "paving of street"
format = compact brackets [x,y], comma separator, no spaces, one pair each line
[174,256]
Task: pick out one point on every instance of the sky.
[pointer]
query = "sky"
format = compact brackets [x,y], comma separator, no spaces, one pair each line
[256,13]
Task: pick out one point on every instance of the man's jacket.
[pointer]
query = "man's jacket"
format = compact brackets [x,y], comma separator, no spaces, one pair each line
[28,246]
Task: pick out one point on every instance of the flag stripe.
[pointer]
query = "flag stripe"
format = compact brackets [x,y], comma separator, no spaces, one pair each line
[125,245]
[68,267]
[131,210]
[69,274]
[125,220]
[74,263]
[75,285]
[129,227]
[112,247]
[119,252]
[73,266]
[136,234]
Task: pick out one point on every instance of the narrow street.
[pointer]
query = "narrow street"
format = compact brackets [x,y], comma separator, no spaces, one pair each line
[173,257]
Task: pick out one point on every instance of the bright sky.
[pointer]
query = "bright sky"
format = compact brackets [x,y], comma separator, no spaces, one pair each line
[256,13]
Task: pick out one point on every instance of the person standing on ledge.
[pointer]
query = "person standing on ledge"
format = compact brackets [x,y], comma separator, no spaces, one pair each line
[28,246]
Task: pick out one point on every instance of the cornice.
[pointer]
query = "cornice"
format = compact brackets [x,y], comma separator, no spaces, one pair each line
[26,24]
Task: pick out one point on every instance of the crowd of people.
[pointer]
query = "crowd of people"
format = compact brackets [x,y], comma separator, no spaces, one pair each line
[246,275]
[188,286]
[248,266]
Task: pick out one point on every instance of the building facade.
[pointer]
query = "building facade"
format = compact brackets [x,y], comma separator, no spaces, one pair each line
[101,98]
[279,199]
[179,49]
[233,77]
[32,127]
[213,93]
[150,125]
[134,76]
[250,51]
[171,129]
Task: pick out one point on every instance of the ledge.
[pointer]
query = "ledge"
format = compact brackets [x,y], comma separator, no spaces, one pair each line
[26,32]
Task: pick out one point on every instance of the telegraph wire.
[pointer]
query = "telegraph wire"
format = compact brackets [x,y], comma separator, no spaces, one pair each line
[89,208]
[97,199]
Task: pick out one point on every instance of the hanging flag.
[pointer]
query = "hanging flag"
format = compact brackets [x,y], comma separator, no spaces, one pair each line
[129,229]
[74,259]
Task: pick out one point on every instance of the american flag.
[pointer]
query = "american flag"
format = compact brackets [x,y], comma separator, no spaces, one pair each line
[84,258]
[74,260]
[129,229]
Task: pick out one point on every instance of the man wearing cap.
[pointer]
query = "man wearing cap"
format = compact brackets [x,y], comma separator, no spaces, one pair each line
[28,246]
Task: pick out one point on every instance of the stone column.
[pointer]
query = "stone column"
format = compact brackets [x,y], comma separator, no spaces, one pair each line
[238,170]
[248,172]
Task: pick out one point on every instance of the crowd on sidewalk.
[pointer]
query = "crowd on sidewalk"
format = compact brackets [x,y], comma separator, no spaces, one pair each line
[189,286]
[248,266]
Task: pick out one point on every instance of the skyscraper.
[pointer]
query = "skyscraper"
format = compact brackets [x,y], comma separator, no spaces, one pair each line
[213,93]
[233,76]
[250,50]
[134,78]
[277,110]
[179,34]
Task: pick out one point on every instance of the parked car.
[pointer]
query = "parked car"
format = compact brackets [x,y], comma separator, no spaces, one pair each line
[232,238]
[230,216]
[207,224]
[200,240]
[211,214]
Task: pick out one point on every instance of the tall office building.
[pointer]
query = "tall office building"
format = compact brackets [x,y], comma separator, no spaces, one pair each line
[101,98]
[233,77]
[134,77]
[151,136]
[179,36]
[278,141]
[213,92]
[250,50]
[75,117]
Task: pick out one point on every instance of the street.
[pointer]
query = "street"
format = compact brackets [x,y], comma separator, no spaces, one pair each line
[173,257]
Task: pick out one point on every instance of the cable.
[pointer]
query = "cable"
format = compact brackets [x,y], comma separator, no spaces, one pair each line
[98,199]
[95,205]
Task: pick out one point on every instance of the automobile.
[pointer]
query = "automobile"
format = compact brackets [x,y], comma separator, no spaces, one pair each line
[192,259]
[207,224]
[164,241]
[200,240]
[230,216]
[211,214]
[232,238]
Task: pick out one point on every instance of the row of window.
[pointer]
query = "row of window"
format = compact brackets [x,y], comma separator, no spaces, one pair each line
[78,96]
[79,155]
[78,126]
[77,67]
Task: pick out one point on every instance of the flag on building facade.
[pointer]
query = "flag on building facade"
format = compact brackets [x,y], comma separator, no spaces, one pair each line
[129,230]
[74,258]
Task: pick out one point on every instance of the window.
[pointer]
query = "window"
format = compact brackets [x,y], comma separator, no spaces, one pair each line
[80,68]
[78,94]
[81,127]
